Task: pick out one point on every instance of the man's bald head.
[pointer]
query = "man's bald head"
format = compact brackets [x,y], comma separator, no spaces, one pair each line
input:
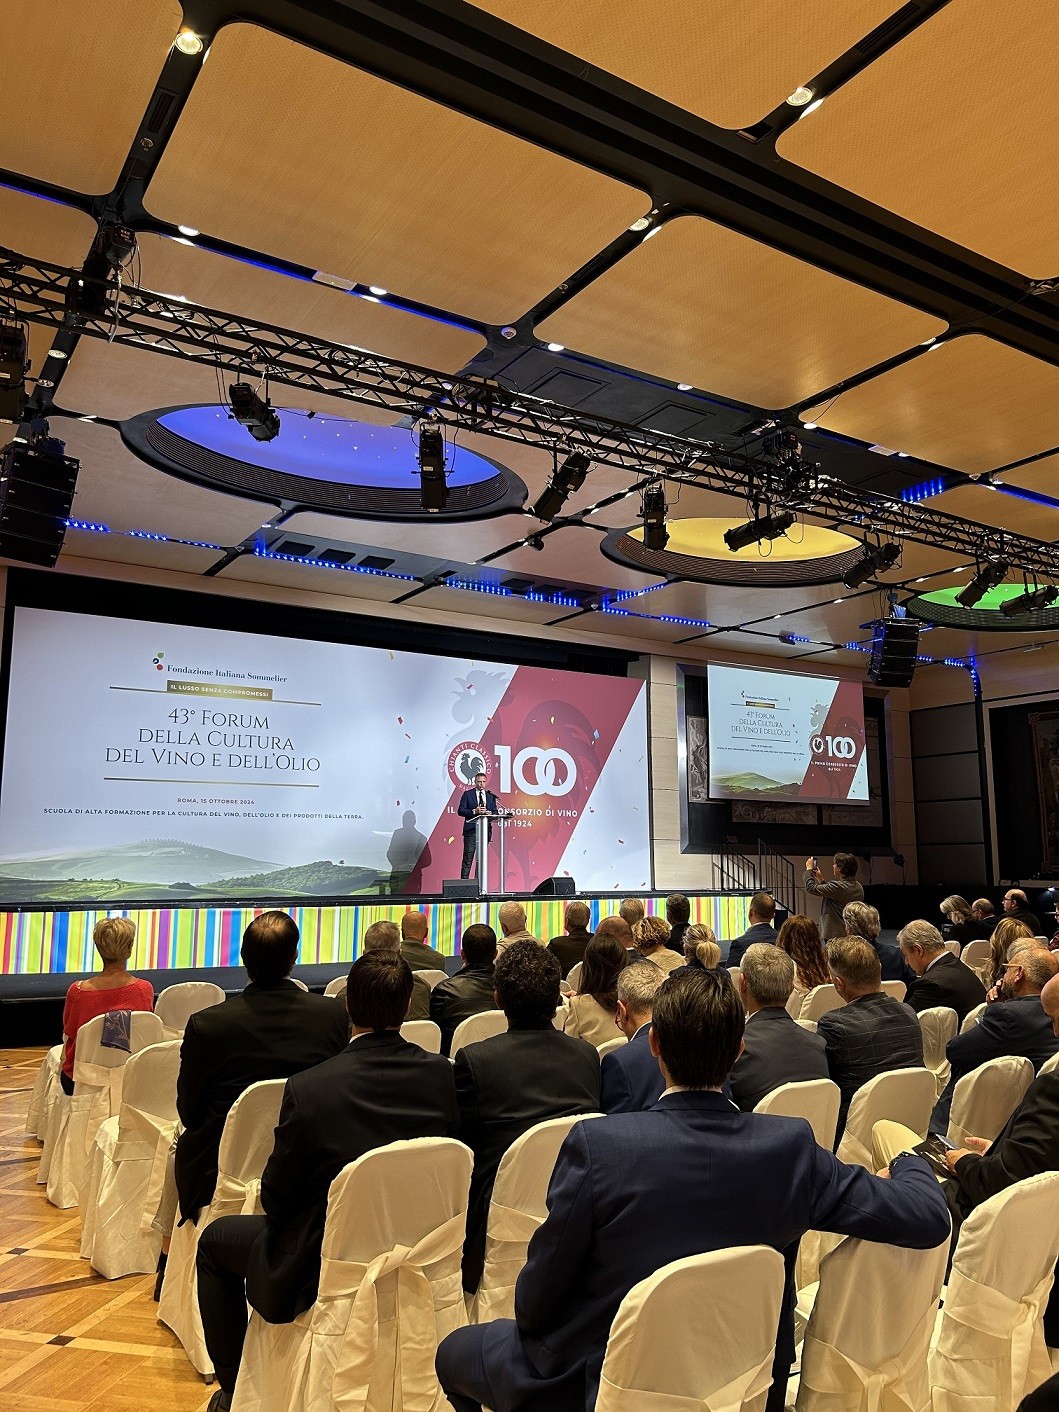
[414,926]
[617,927]
[512,917]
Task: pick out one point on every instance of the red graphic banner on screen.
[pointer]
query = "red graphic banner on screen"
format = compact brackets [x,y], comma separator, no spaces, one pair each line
[537,728]
[836,747]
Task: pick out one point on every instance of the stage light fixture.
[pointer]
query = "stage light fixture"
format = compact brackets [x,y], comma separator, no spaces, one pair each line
[188,42]
[14,365]
[990,575]
[754,531]
[1032,601]
[653,512]
[253,412]
[877,558]
[434,489]
[565,480]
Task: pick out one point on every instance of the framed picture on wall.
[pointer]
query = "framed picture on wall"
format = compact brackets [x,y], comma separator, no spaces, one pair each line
[698,760]
[1044,728]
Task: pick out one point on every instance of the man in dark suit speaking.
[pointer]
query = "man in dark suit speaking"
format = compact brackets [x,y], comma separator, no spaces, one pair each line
[627,1197]
[473,803]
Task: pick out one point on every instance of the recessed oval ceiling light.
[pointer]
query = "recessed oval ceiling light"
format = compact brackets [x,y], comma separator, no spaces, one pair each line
[800,97]
[188,42]
[189,231]
[58,353]
[641,224]
[556,347]
[809,426]
[683,386]
[903,455]
[378,289]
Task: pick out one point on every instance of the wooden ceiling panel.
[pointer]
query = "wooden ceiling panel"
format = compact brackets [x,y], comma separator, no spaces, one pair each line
[970,403]
[994,507]
[731,61]
[704,305]
[43,230]
[464,542]
[117,489]
[571,555]
[307,578]
[648,629]
[953,129]
[403,193]
[114,549]
[481,605]
[263,295]
[76,82]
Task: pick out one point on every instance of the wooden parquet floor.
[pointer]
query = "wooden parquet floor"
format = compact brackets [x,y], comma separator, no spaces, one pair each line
[71,1341]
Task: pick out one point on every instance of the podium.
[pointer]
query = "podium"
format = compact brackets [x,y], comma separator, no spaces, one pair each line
[481,826]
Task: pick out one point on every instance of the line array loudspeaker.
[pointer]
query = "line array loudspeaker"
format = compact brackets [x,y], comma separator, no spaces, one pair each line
[894,647]
[36,492]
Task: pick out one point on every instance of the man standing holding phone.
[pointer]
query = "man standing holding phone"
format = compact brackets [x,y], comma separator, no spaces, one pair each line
[843,887]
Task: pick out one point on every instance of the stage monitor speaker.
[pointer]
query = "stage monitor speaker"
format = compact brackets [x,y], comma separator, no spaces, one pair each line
[555,887]
[894,647]
[36,492]
[460,887]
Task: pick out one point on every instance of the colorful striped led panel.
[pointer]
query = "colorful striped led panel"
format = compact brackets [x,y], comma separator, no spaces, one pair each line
[40,943]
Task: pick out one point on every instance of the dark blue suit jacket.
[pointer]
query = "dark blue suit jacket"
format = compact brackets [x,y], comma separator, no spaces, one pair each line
[894,966]
[1017,1027]
[630,1079]
[691,1174]
[469,803]
[760,931]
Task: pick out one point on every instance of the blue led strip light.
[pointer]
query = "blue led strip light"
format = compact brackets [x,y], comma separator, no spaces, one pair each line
[607,607]
[915,494]
[88,527]
[262,553]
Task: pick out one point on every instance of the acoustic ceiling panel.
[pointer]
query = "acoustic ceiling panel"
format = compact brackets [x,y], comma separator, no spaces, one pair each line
[701,304]
[571,555]
[76,82]
[972,403]
[114,549]
[265,296]
[954,128]
[996,507]
[731,61]
[307,578]
[481,605]
[373,183]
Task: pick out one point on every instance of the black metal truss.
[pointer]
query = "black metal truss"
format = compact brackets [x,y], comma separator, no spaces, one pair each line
[53,295]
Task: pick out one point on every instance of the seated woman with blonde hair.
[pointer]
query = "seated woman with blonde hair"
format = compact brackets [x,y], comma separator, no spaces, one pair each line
[651,935]
[113,989]
[593,1009]
[700,948]
[799,937]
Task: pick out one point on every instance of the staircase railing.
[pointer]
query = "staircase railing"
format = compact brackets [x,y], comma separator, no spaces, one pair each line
[776,875]
[738,873]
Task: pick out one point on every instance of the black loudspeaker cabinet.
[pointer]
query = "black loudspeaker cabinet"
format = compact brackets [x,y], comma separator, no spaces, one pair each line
[460,887]
[36,492]
[894,647]
[555,887]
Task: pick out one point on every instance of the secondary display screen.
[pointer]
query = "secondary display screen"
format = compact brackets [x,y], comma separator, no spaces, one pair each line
[183,765]
[780,736]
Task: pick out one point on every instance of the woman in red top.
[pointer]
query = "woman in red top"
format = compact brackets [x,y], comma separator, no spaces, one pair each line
[113,989]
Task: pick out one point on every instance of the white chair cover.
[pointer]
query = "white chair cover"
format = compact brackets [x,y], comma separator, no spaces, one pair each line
[1050,1065]
[989,1347]
[972,1017]
[939,1025]
[45,1087]
[734,972]
[866,1345]
[295,981]
[608,1047]
[517,1207]
[651,1363]
[336,988]
[573,976]
[896,989]
[177,1003]
[954,947]
[985,1099]
[976,954]
[432,977]
[819,1001]
[902,1095]
[562,1010]
[816,1100]
[127,1165]
[390,1291]
[98,1074]
[425,1033]
[476,1027]
[246,1145]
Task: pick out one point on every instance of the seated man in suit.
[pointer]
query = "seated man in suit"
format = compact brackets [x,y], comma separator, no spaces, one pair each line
[776,1049]
[506,1084]
[270,1030]
[569,948]
[691,1174]
[471,989]
[1015,1023]
[512,919]
[761,916]
[861,919]
[630,1079]
[632,910]
[414,948]
[379,1090]
[1017,905]
[678,915]
[872,1032]
[941,978]
[983,918]
[385,936]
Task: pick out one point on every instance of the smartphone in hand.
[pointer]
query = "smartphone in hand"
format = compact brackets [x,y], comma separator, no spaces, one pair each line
[934,1148]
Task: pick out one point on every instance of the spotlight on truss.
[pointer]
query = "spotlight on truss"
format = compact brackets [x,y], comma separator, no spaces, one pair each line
[567,478]
[1032,601]
[761,528]
[876,559]
[253,412]
[653,511]
[991,574]
[434,489]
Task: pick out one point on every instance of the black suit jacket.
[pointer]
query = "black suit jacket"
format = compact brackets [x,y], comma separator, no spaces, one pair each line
[380,1089]
[570,948]
[867,1037]
[630,1079]
[265,1032]
[505,1085]
[760,931]
[1018,1027]
[690,1175]
[469,803]
[894,965]
[467,993]
[776,1050]
[948,982]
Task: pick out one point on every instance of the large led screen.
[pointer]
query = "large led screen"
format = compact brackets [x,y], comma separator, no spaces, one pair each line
[155,761]
[781,736]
